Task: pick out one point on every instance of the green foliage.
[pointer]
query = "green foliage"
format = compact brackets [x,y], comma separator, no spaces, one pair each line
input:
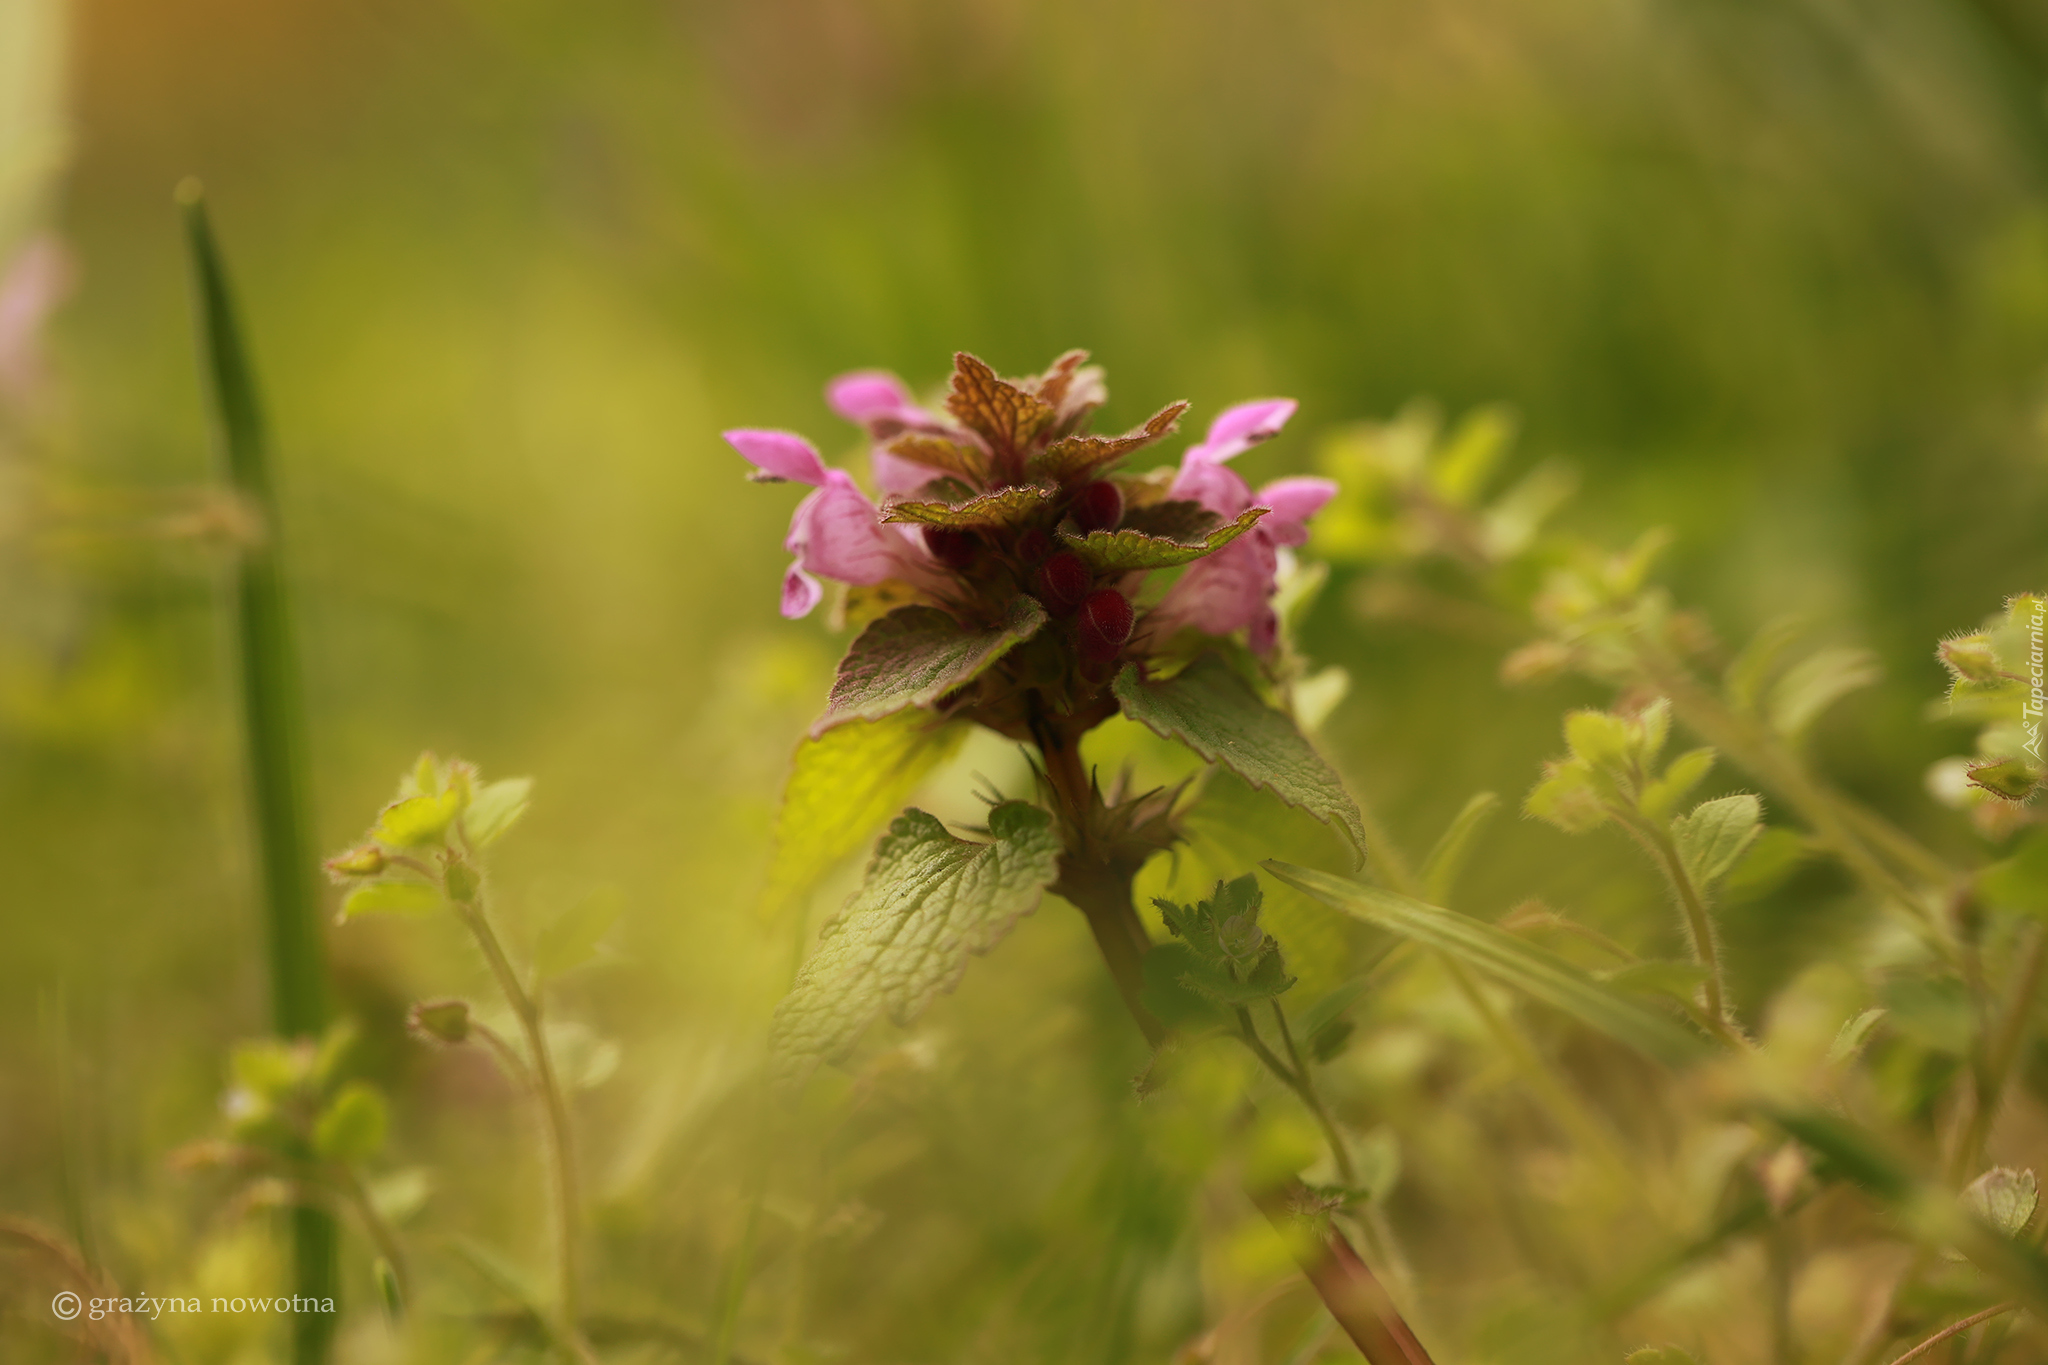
[1127,550]
[1229,960]
[2004,1198]
[1520,966]
[1453,849]
[1715,835]
[841,786]
[353,1125]
[570,939]
[1005,507]
[1211,709]
[929,902]
[916,655]
[392,898]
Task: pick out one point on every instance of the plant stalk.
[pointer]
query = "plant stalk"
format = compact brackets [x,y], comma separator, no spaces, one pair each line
[555,1124]
[274,736]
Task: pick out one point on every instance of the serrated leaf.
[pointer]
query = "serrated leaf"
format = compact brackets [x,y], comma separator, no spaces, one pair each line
[1661,797]
[937,452]
[1170,519]
[352,1128]
[392,898]
[842,786]
[916,655]
[418,821]
[496,807]
[1714,835]
[929,903]
[2005,1198]
[1534,971]
[1445,861]
[1002,414]
[1817,682]
[570,939]
[1126,550]
[1004,507]
[1076,455]
[1213,711]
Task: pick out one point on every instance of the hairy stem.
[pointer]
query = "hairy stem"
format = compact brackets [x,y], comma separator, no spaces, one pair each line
[1954,1329]
[555,1124]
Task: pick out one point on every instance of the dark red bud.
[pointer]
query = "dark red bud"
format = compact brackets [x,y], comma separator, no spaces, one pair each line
[1104,625]
[1063,582]
[1033,546]
[1098,507]
[956,549]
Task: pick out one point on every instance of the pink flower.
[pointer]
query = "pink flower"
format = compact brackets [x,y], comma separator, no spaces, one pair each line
[31,287]
[1233,588]
[835,532]
[879,401]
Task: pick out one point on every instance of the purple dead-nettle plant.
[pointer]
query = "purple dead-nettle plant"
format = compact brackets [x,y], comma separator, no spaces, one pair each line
[1007,573]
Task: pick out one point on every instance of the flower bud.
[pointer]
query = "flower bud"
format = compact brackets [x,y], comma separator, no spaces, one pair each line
[447,1020]
[1063,582]
[366,861]
[1032,546]
[952,547]
[1104,625]
[1098,507]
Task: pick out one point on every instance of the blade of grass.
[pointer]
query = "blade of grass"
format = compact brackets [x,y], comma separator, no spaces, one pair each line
[1536,972]
[272,727]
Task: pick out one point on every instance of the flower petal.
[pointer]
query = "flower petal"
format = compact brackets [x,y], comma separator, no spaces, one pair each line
[865,395]
[897,476]
[780,454]
[837,533]
[1293,502]
[1226,591]
[1237,429]
[800,592]
[1214,486]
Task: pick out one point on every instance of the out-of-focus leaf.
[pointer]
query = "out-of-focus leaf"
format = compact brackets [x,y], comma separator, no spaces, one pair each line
[1454,847]
[930,902]
[2004,1198]
[1714,835]
[1772,858]
[1678,980]
[1538,973]
[1213,711]
[1661,797]
[1817,682]
[391,898]
[842,785]
[1849,1040]
[1752,670]
[570,939]
[495,808]
[916,655]
[2021,881]
[352,1127]
[1127,550]
[1934,1011]
[418,821]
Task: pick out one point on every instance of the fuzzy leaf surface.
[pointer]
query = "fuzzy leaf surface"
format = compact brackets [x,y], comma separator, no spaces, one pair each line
[391,898]
[495,808]
[1125,550]
[1171,519]
[937,452]
[1004,415]
[929,903]
[1534,971]
[1715,834]
[915,655]
[1077,455]
[842,786]
[1005,507]
[1213,711]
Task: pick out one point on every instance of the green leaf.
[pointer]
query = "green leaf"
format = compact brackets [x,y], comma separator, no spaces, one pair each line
[269,1068]
[570,939]
[353,1126]
[1745,678]
[1076,455]
[916,655]
[1569,797]
[1598,738]
[1173,519]
[391,898]
[1678,980]
[1711,838]
[1817,682]
[2012,778]
[1851,1037]
[936,452]
[1771,860]
[930,902]
[1534,971]
[1661,797]
[1004,507]
[495,808]
[2004,1198]
[1213,711]
[418,821]
[1445,861]
[2020,882]
[841,786]
[1127,550]
[1165,991]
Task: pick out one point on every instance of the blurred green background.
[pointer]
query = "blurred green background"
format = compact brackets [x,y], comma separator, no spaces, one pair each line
[1772,274]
